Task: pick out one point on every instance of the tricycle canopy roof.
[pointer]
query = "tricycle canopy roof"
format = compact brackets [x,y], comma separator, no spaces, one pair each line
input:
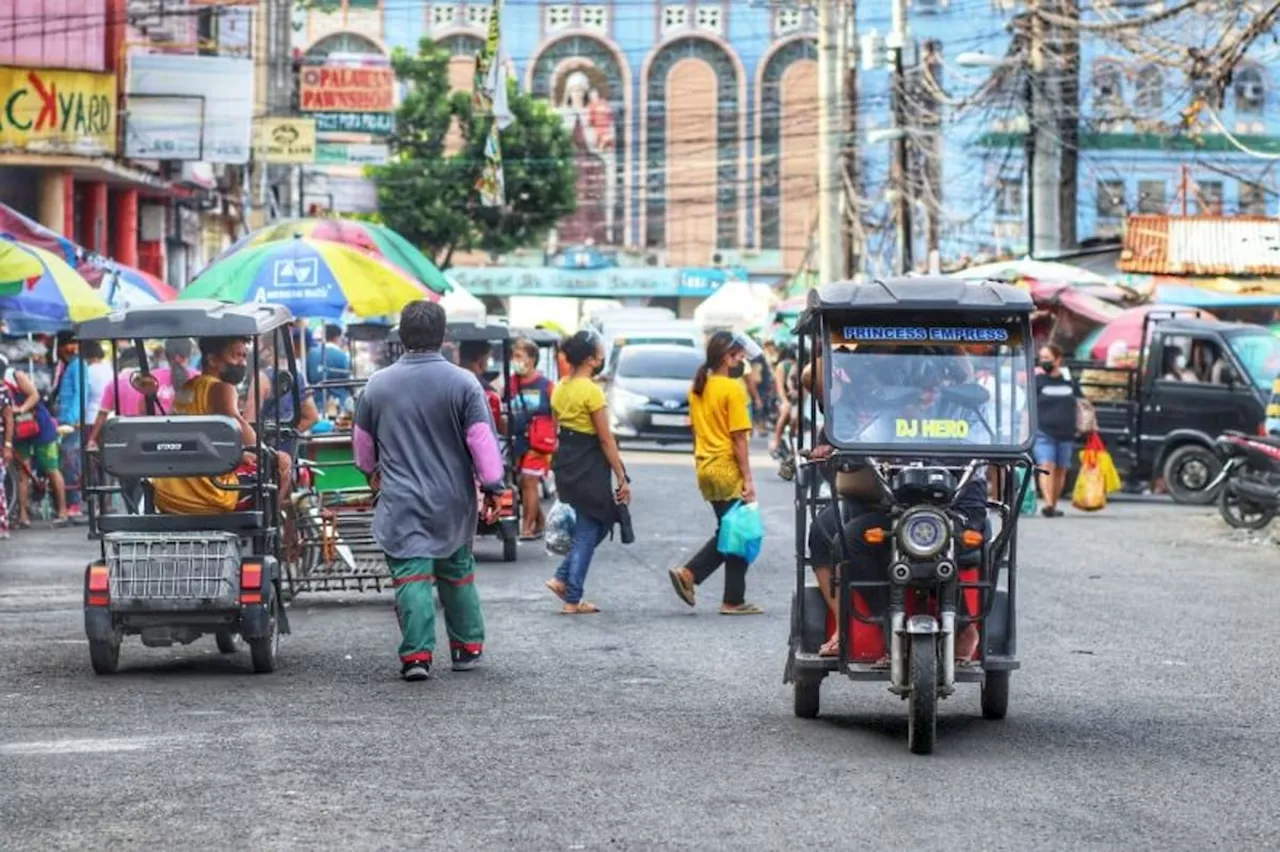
[462,332]
[540,336]
[195,318]
[932,293]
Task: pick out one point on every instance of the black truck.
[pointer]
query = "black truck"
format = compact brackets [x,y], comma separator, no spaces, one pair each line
[1160,418]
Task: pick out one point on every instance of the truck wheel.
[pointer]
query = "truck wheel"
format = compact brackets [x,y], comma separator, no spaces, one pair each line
[228,642]
[1187,473]
[104,654]
[922,702]
[265,650]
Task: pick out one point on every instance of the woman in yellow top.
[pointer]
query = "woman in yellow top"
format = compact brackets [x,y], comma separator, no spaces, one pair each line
[586,456]
[719,411]
[223,366]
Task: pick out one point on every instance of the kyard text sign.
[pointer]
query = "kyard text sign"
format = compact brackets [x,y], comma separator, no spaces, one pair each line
[57,111]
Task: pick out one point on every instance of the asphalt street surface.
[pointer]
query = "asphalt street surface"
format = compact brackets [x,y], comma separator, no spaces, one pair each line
[1144,716]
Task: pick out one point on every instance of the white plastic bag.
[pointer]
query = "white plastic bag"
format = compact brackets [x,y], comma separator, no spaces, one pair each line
[558,534]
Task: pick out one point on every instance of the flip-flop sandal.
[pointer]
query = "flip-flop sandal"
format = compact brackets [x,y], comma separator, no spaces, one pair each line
[744,609]
[580,608]
[557,588]
[830,648]
[533,537]
[59,523]
[23,525]
[682,586]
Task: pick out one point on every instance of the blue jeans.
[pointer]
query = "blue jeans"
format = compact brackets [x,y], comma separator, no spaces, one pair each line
[71,468]
[587,535]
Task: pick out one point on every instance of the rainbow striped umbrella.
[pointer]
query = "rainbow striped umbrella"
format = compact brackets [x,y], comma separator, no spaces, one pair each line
[16,266]
[375,239]
[312,278]
[127,287]
[52,300]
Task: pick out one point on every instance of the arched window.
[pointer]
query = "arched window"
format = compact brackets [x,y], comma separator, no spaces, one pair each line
[771,134]
[1149,96]
[1250,91]
[343,43]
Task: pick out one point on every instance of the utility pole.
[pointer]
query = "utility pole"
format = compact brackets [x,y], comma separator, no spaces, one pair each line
[1066,69]
[831,257]
[852,173]
[897,43]
[1043,168]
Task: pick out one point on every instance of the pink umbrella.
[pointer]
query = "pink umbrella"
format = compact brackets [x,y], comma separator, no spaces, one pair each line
[1128,327]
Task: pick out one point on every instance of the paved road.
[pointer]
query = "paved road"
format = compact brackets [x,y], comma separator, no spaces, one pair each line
[1144,717]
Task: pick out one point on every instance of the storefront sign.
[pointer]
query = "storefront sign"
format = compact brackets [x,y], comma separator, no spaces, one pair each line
[373,123]
[345,154]
[189,108]
[285,140]
[613,283]
[63,112]
[342,88]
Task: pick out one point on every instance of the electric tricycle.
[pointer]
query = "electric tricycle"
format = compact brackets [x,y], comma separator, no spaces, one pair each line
[173,572]
[906,571]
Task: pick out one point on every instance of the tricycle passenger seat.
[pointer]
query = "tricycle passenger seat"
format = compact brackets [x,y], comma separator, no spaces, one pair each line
[205,445]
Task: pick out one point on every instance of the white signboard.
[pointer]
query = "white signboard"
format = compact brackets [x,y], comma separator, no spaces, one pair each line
[352,154]
[160,124]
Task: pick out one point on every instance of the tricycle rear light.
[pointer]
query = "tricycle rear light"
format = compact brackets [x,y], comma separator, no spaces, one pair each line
[251,576]
[97,585]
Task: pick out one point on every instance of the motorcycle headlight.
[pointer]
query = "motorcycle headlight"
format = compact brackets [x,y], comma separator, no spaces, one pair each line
[924,533]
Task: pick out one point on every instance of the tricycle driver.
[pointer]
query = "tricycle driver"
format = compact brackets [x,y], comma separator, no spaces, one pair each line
[859,409]
[223,367]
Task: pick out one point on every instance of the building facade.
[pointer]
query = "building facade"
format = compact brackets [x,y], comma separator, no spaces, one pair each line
[696,122]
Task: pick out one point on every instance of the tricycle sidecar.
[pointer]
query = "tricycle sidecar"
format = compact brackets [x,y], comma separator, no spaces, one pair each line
[923,388]
[175,577]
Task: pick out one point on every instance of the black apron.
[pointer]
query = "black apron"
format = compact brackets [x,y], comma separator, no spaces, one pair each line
[584,479]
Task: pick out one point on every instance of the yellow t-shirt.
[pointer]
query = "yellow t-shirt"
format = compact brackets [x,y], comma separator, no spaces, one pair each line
[574,401]
[195,495]
[716,414]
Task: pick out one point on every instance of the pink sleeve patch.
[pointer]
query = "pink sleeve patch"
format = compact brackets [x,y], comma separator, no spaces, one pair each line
[366,456]
[484,453]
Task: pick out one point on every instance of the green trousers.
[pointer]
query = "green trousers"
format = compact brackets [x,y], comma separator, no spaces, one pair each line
[413,580]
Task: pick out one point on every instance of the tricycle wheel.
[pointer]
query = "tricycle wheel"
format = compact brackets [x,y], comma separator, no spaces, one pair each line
[922,702]
[807,697]
[228,641]
[508,548]
[265,650]
[1188,472]
[1243,515]
[104,654]
[995,695]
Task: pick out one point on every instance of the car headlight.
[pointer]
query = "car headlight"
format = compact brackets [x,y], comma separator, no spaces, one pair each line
[625,400]
[924,532]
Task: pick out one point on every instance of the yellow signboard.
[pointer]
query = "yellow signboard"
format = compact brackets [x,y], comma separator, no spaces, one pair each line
[286,140]
[57,112]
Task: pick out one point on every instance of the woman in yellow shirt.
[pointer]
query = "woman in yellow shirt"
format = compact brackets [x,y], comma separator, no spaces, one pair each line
[586,456]
[719,411]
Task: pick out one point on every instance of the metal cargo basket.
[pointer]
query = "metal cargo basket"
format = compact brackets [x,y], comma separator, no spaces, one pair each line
[199,567]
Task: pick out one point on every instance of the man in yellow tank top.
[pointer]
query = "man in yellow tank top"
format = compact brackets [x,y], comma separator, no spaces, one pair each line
[223,366]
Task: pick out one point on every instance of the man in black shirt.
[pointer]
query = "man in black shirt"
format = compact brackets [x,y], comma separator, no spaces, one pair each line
[1056,414]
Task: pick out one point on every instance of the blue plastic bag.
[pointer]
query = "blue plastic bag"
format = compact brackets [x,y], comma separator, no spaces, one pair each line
[741,532]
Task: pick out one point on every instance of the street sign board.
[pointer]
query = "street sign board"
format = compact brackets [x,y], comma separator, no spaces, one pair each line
[373,123]
[285,140]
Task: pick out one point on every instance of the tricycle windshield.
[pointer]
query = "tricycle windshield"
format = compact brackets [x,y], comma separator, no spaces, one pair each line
[928,384]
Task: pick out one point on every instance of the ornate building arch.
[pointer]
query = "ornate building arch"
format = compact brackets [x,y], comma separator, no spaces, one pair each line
[724,136]
[774,105]
[586,79]
[345,42]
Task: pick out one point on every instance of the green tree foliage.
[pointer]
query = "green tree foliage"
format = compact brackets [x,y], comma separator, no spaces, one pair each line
[429,195]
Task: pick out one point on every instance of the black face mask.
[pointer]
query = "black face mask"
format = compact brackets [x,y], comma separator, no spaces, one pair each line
[233,374]
[738,371]
[1047,366]
[597,369]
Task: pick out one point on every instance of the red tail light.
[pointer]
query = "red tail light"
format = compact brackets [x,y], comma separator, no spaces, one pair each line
[1262,430]
[251,583]
[98,585]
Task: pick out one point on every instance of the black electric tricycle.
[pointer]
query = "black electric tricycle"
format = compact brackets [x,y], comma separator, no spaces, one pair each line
[172,578]
[910,491]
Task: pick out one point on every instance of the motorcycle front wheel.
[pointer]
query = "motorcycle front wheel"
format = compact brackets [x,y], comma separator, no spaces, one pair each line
[1241,514]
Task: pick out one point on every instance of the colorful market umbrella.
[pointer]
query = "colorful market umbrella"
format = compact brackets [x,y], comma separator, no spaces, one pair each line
[1128,326]
[376,239]
[312,278]
[16,266]
[53,300]
[126,287]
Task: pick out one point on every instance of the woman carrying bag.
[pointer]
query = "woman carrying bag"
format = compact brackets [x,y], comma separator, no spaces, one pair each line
[719,412]
[586,465]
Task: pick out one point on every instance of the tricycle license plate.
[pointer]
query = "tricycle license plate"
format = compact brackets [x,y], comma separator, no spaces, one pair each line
[670,420]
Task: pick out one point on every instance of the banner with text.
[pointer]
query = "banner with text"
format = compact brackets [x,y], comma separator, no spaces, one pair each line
[285,140]
[57,112]
[344,88]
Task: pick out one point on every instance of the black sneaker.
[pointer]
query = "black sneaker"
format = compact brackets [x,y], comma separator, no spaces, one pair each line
[465,661]
[415,671]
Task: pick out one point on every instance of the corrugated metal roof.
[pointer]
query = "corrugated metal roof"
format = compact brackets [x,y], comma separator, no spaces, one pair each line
[1202,245]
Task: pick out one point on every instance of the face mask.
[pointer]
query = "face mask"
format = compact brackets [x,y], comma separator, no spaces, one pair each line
[738,371]
[1180,362]
[598,368]
[520,367]
[1047,366]
[233,374]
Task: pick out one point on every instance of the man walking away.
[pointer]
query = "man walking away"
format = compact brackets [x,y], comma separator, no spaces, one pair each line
[423,436]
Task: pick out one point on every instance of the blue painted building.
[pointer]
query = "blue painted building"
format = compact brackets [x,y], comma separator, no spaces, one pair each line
[696,123]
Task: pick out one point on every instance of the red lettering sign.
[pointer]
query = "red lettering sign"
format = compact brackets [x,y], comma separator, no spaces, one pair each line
[332,88]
